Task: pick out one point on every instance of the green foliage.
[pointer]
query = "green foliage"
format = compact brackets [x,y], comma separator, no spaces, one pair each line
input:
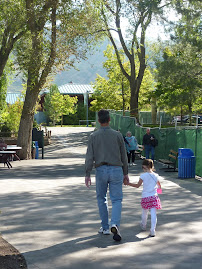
[189,27]
[147,90]
[138,15]
[11,115]
[12,28]
[179,73]
[57,105]
[57,36]
[36,125]
[179,77]
[3,89]
[5,131]
[113,92]
[5,79]
[73,119]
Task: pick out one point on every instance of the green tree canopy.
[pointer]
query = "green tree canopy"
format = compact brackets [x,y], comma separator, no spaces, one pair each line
[57,105]
[12,28]
[139,15]
[11,115]
[179,73]
[113,92]
[57,35]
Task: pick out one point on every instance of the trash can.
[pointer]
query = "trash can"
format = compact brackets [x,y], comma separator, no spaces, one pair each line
[38,136]
[33,150]
[37,150]
[186,163]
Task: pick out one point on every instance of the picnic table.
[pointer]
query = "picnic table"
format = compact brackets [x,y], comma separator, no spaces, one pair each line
[6,156]
[8,153]
[15,148]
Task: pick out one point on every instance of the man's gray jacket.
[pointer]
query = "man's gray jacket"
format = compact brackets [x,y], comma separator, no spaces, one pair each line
[106,147]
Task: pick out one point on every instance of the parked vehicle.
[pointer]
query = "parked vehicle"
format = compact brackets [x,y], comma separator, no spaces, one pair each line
[194,117]
[178,118]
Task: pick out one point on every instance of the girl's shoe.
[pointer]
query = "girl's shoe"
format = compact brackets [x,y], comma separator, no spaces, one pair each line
[152,233]
[105,232]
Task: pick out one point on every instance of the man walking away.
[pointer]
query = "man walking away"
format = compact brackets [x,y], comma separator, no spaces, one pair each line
[106,150]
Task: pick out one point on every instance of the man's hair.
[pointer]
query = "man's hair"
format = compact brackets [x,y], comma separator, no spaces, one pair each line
[103,116]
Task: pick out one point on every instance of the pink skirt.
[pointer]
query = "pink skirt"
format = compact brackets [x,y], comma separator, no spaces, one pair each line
[151,202]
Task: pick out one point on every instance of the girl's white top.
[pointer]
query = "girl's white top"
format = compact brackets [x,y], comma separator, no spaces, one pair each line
[149,184]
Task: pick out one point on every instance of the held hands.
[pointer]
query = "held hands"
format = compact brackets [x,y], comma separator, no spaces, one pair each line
[88,182]
[126,180]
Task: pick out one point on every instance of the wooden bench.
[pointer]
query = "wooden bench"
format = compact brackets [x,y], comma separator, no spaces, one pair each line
[171,162]
[139,151]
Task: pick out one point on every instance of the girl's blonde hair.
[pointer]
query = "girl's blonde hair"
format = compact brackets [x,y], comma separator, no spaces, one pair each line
[149,163]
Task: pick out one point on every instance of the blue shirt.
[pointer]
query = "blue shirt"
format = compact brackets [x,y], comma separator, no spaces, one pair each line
[133,145]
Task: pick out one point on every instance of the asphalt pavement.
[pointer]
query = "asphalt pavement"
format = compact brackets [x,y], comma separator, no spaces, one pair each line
[50,216]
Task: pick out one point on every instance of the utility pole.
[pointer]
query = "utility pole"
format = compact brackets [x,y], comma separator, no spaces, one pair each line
[86,108]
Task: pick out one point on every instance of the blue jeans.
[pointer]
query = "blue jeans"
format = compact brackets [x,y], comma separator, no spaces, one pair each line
[112,176]
[148,149]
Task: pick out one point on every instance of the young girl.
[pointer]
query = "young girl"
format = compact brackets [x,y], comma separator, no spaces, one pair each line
[150,200]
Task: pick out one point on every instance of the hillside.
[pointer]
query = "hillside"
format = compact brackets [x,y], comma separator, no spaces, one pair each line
[84,73]
[87,70]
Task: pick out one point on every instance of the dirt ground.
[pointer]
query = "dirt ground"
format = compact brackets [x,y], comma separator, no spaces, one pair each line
[10,257]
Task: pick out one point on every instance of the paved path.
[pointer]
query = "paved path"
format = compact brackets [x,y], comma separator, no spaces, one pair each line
[51,217]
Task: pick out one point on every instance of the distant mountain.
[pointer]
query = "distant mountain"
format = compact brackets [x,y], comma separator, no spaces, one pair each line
[88,69]
[16,85]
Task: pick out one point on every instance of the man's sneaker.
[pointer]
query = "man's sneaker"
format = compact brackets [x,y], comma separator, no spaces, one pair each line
[143,228]
[115,231]
[152,233]
[102,231]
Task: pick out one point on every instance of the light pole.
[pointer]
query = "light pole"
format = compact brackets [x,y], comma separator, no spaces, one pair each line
[86,108]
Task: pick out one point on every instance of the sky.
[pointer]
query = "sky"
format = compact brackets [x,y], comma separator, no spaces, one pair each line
[155,29]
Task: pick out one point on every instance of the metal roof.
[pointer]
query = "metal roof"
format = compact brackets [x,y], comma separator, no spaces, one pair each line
[69,88]
[76,89]
[12,97]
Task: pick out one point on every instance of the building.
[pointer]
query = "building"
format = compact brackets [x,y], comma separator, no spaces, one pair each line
[12,97]
[82,91]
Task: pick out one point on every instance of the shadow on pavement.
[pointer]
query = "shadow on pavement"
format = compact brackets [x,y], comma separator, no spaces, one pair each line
[54,218]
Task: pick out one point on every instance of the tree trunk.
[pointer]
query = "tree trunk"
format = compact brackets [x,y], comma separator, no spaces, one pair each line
[190,113]
[61,120]
[36,75]
[2,64]
[26,123]
[134,101]
[8,40]
[153,110]
[181,113]
[123,96]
